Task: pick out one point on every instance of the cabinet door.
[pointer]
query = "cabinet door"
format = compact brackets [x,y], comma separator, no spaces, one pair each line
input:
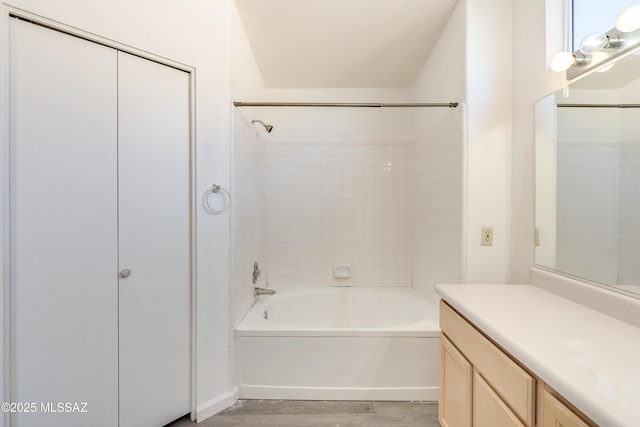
[64,266]
[154,217]
[557,414]
[510,381]
[488,409]
[454,408]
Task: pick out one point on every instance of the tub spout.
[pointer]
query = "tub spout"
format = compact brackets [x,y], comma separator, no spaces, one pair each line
[263,291]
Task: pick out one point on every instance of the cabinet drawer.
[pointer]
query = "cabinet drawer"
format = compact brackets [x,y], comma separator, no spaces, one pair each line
[511,383]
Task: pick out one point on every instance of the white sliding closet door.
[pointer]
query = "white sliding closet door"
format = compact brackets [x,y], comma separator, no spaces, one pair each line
[64,237]
[154,206]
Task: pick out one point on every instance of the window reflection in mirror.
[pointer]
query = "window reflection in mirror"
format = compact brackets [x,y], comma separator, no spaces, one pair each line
[589,14]
[588,178]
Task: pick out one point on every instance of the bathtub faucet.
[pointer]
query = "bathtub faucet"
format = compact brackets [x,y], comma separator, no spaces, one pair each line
[263,291]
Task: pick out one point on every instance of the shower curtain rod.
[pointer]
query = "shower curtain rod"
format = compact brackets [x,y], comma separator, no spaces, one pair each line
[598,105]
[343,104]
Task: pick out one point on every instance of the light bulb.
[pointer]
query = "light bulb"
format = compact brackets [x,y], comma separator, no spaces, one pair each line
[561,61]
[593,42]
[629,19]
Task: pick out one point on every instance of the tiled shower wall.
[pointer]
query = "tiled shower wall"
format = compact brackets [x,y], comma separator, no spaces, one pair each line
[248,214]
[338,204]
[587,209]
[438,177]
[598,196]
[629,211]
[587,195]
[392,210]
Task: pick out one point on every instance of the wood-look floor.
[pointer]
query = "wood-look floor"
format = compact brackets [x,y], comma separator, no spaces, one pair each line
[290,413]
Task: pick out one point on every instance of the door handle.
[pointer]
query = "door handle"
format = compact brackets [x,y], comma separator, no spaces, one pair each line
[125,273]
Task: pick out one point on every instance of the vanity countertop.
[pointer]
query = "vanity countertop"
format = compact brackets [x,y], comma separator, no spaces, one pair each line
[590,358]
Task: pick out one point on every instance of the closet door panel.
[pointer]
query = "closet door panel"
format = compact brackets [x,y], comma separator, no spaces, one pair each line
[154,206]
[63,139]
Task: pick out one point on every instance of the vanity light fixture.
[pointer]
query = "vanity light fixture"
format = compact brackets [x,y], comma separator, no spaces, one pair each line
[590,51]
[599,57]
[562,61]
[598,50]
[629,19]
[596,41]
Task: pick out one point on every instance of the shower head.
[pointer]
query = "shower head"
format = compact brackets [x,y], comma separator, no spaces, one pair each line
[267,127]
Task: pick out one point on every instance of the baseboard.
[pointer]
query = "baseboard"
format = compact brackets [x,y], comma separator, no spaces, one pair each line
[216,405]
[422,394]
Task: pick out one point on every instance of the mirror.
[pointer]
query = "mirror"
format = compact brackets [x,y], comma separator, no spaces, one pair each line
[588,178]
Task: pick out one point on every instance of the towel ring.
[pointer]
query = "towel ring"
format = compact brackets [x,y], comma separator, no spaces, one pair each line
[215,189]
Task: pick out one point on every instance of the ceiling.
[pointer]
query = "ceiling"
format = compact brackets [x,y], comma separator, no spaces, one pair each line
[342,43]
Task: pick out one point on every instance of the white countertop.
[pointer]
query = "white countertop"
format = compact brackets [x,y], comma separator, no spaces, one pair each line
[590,358]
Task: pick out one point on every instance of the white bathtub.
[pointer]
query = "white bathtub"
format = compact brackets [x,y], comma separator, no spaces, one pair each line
[339,344]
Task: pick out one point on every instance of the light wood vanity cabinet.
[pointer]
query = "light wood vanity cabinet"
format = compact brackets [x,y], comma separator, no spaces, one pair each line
[488,408]
[555,413]
[481,386]
[455,386]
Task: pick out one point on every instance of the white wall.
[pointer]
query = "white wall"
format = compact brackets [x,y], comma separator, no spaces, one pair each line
[196,33]
[489,88]
[443,77]
[248,85]
[246,80]
[532,80]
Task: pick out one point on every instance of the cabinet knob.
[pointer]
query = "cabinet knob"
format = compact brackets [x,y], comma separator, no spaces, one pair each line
[125,273]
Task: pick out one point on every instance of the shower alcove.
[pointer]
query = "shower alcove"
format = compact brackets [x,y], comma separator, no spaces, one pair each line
[377,189]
